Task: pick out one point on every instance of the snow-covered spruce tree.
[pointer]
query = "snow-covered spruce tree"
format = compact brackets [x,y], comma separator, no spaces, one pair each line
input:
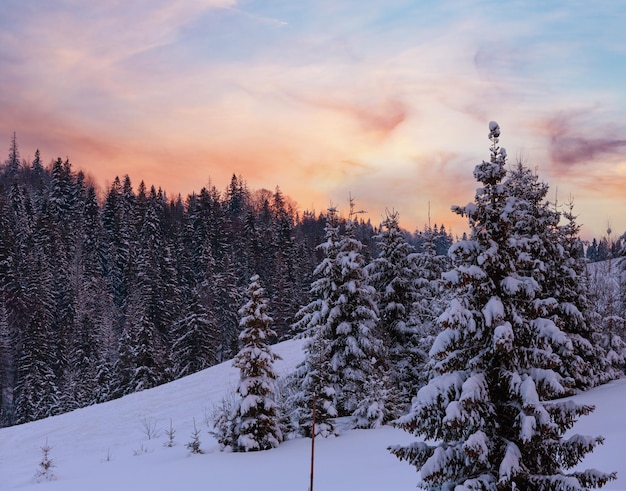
[594,359]
[431,296]
[142,358]
[224,298]
[196,339]
[36,389]
[603,292]
[606,284]
[255,416]
[495,363]
[557,277]
[562,278]
[313,388]
[92,344]
[342,321]
[223,420]
[394,275]
[313,377]
[431,301]
[355,350]
[7,365]
[622,262]
[379,403]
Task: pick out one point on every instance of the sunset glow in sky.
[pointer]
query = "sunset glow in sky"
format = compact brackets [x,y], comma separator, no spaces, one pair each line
[388,100]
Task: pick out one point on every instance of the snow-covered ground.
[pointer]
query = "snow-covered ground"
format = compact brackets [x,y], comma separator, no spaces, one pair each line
[105,447]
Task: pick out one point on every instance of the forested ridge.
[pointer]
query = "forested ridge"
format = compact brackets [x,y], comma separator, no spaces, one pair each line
[104,294]
[469,345]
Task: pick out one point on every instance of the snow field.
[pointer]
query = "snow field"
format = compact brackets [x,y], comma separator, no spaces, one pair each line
[102,447]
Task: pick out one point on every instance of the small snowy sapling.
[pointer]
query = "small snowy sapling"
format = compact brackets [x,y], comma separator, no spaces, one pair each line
[170,432]
[194,445]
[44,471]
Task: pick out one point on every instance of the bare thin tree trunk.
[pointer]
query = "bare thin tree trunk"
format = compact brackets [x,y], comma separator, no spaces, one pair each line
[313,441]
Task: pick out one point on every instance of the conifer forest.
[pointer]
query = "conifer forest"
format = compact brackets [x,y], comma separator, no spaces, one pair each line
[465,342]
[104,294]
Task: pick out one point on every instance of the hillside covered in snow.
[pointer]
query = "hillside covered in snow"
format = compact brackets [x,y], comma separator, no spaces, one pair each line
[107,447]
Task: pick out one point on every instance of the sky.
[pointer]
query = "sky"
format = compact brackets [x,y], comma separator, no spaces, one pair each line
[387,101]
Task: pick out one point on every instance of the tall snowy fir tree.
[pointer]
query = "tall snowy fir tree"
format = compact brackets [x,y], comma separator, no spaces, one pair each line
[593,361]
[562,277]
[496,362]
[254,423]
[341,321]
[622,278]
[12,163]
[394,275]
[314,389]
[314,376]
[196,339]
[7,334]
[286,291]
[430,264]
[141,362]
[223,296]
[37,171]
[356,352]
[7,368]
[622,281]
[154,273]
[16,247]
[37,389]
[91,345]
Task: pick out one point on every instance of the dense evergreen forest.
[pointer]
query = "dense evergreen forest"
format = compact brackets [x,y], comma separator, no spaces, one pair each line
[104,295]
[468,344]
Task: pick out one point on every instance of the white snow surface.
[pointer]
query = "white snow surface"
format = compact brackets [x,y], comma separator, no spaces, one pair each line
[105,447]
[94,448]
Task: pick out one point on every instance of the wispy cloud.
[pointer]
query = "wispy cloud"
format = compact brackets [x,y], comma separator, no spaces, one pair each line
[379,116]
[574,142]
[260,18]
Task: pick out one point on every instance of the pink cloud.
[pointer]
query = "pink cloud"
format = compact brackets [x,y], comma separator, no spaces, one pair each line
[573,143]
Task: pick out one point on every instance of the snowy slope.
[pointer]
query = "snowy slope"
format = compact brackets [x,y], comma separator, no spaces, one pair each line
[105,447]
